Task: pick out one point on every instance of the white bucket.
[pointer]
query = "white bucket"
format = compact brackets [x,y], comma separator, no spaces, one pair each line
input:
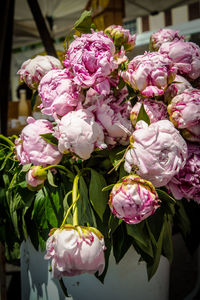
[124,281]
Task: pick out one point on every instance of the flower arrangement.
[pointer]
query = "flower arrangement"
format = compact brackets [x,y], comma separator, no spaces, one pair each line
[118,150]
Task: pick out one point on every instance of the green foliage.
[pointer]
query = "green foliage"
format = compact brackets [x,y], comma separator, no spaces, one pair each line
[142,115]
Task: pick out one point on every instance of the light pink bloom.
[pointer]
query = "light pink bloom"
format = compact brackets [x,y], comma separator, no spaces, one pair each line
[121,37]
[76,250]
[163,36]
[133,200]
[156,110]
[35,178]
[79,133]
[184,112]
[150,73]
[32,70]
[186,184]
[185,56]
[158,152]
[180,84]
[58,93]
[90,60]
[32,148]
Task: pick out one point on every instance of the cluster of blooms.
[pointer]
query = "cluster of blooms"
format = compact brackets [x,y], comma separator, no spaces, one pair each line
[91,112]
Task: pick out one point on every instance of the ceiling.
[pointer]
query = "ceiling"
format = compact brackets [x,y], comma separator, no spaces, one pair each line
[65,12]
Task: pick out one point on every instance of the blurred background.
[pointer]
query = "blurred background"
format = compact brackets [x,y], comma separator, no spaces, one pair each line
[32,27]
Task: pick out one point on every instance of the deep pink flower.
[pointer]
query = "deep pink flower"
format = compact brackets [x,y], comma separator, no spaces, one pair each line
[133,200]
[163,36]
[184,112]
[180,84]
[90,60]
[150,73]
[186,184]
[76,250]
[185,56]
[58,93]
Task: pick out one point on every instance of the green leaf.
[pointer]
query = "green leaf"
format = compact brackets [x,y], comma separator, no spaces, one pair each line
[182,219]
[26,168]
[116,154]
[108,188]
[167,248]
[98,198]
[163,196]
[48,137]
[121,243]
[83,24]
[113,223]
[142,115]
[141,237]
[51,178]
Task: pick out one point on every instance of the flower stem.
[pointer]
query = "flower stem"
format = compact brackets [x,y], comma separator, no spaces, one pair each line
[63,287]
[62,168]
[69,209]
[75,197]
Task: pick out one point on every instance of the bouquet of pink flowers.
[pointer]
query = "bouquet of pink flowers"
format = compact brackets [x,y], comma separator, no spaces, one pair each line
[116,152]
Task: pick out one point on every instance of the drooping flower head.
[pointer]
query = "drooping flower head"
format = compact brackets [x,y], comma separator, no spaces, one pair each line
[75,250]
[90,60]
[59,94]
[184,113]
[32,70]
[80,134]
[121,37]
[133,199]
[32,148]
[150,73]
[185,56]
[163,36]
[158,152]
[186,184]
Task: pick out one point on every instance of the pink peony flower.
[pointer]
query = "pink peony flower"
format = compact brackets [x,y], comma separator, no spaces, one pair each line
[186,184]
[78,133]
[32,148]
[176,88]
[156,110]
[185,56]
[58,93]
[76,250]
[35,178]
[133,200]
[121,37]
[184,112]
[163,36]
[150,73]
[158,152]
[32,70]
[90,60]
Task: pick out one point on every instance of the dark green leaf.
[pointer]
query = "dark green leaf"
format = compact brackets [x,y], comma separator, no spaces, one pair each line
[163,196]
[114,222]
[167,248]
[108,188]
[98,198]
[116,154]
[48,137]
[121,243]
[83,24]
[182,219]
[142,115]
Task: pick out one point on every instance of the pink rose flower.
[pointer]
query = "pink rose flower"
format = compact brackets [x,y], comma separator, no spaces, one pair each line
[121,37]
[158,152]
[79,133]
[186,184]
[133,200]
[58,93]
[156,110]
[180,84]
[32,148]
[184,112]
[185,56]
[150,73]
[90,60]
[32,70]
[163,36]
[76,250]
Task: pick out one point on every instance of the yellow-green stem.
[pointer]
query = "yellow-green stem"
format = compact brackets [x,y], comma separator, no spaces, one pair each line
[75,197]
